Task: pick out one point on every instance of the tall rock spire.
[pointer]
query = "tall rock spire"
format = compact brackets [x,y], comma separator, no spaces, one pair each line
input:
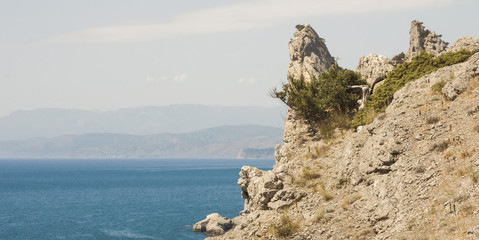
[309,56]
[422,39]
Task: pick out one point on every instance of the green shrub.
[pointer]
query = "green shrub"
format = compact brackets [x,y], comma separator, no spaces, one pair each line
[324,97]
[399,59]
[286,227]
[299,27]
[419,66]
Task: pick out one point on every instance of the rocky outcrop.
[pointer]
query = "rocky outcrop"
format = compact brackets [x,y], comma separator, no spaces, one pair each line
[459,79]
[373,68]
[265,190]
[308,54]
[466,42]
[421,39]
[213,225]
[363,91]
[413,172]
[258,187]
[308,57]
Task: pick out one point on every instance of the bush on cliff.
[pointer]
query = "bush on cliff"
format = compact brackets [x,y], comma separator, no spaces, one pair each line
[324,97]
[419,66]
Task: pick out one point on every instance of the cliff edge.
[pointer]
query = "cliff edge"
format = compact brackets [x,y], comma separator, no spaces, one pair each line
[413,173]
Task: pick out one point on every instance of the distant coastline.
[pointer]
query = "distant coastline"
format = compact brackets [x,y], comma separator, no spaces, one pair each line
[231,142]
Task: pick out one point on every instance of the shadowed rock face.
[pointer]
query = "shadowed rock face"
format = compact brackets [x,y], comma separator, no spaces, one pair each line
[421,39]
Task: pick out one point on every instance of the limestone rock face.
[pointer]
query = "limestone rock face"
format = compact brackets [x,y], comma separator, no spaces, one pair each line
[461,77]
[361,90]
[466,42]
[308,54]
[258,187]
[213,225]
[414,171]
[373,68]
[422,39]
[308,57]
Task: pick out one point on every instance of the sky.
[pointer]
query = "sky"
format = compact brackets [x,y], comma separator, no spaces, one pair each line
[110,54]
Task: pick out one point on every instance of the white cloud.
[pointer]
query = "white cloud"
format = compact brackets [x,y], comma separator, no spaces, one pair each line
[237,17]
[177,78]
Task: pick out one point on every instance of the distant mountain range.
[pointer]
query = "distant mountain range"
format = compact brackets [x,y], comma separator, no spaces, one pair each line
[149,120]
[242,141]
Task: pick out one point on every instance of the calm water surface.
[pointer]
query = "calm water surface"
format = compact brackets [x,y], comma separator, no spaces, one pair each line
[116,199]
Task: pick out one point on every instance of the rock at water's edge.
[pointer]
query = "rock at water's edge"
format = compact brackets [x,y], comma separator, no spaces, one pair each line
[213,225]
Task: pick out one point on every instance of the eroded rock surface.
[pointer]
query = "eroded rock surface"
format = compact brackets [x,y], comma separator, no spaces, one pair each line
[309,56]
[213,225]
[373,68]
[258,187]
[421,39]
[412,172]
[458,80]
[466,42]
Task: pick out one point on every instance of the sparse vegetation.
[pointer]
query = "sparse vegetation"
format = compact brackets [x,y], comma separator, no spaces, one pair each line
[320,217]
[466,153]
[307,178]
[342,181]
[449,154]
[309,174]
[286,227]
[421,65]
[299,27]
[473,85]
[317,151]
[326,194]
[324,100]
[350,200]
[441,147]
[365,234]
[432,120]
[437,87]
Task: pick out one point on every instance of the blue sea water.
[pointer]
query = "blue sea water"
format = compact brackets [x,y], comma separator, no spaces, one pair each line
[116,199]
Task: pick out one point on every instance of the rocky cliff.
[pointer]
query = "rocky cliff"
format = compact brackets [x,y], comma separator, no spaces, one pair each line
[309,56]
[413,173]
[373,68]
[421,39]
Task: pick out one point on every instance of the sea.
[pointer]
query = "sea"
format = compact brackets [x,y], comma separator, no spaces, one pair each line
[116,198]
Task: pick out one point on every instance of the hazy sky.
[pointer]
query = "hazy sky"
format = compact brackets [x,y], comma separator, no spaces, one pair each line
[109,54]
